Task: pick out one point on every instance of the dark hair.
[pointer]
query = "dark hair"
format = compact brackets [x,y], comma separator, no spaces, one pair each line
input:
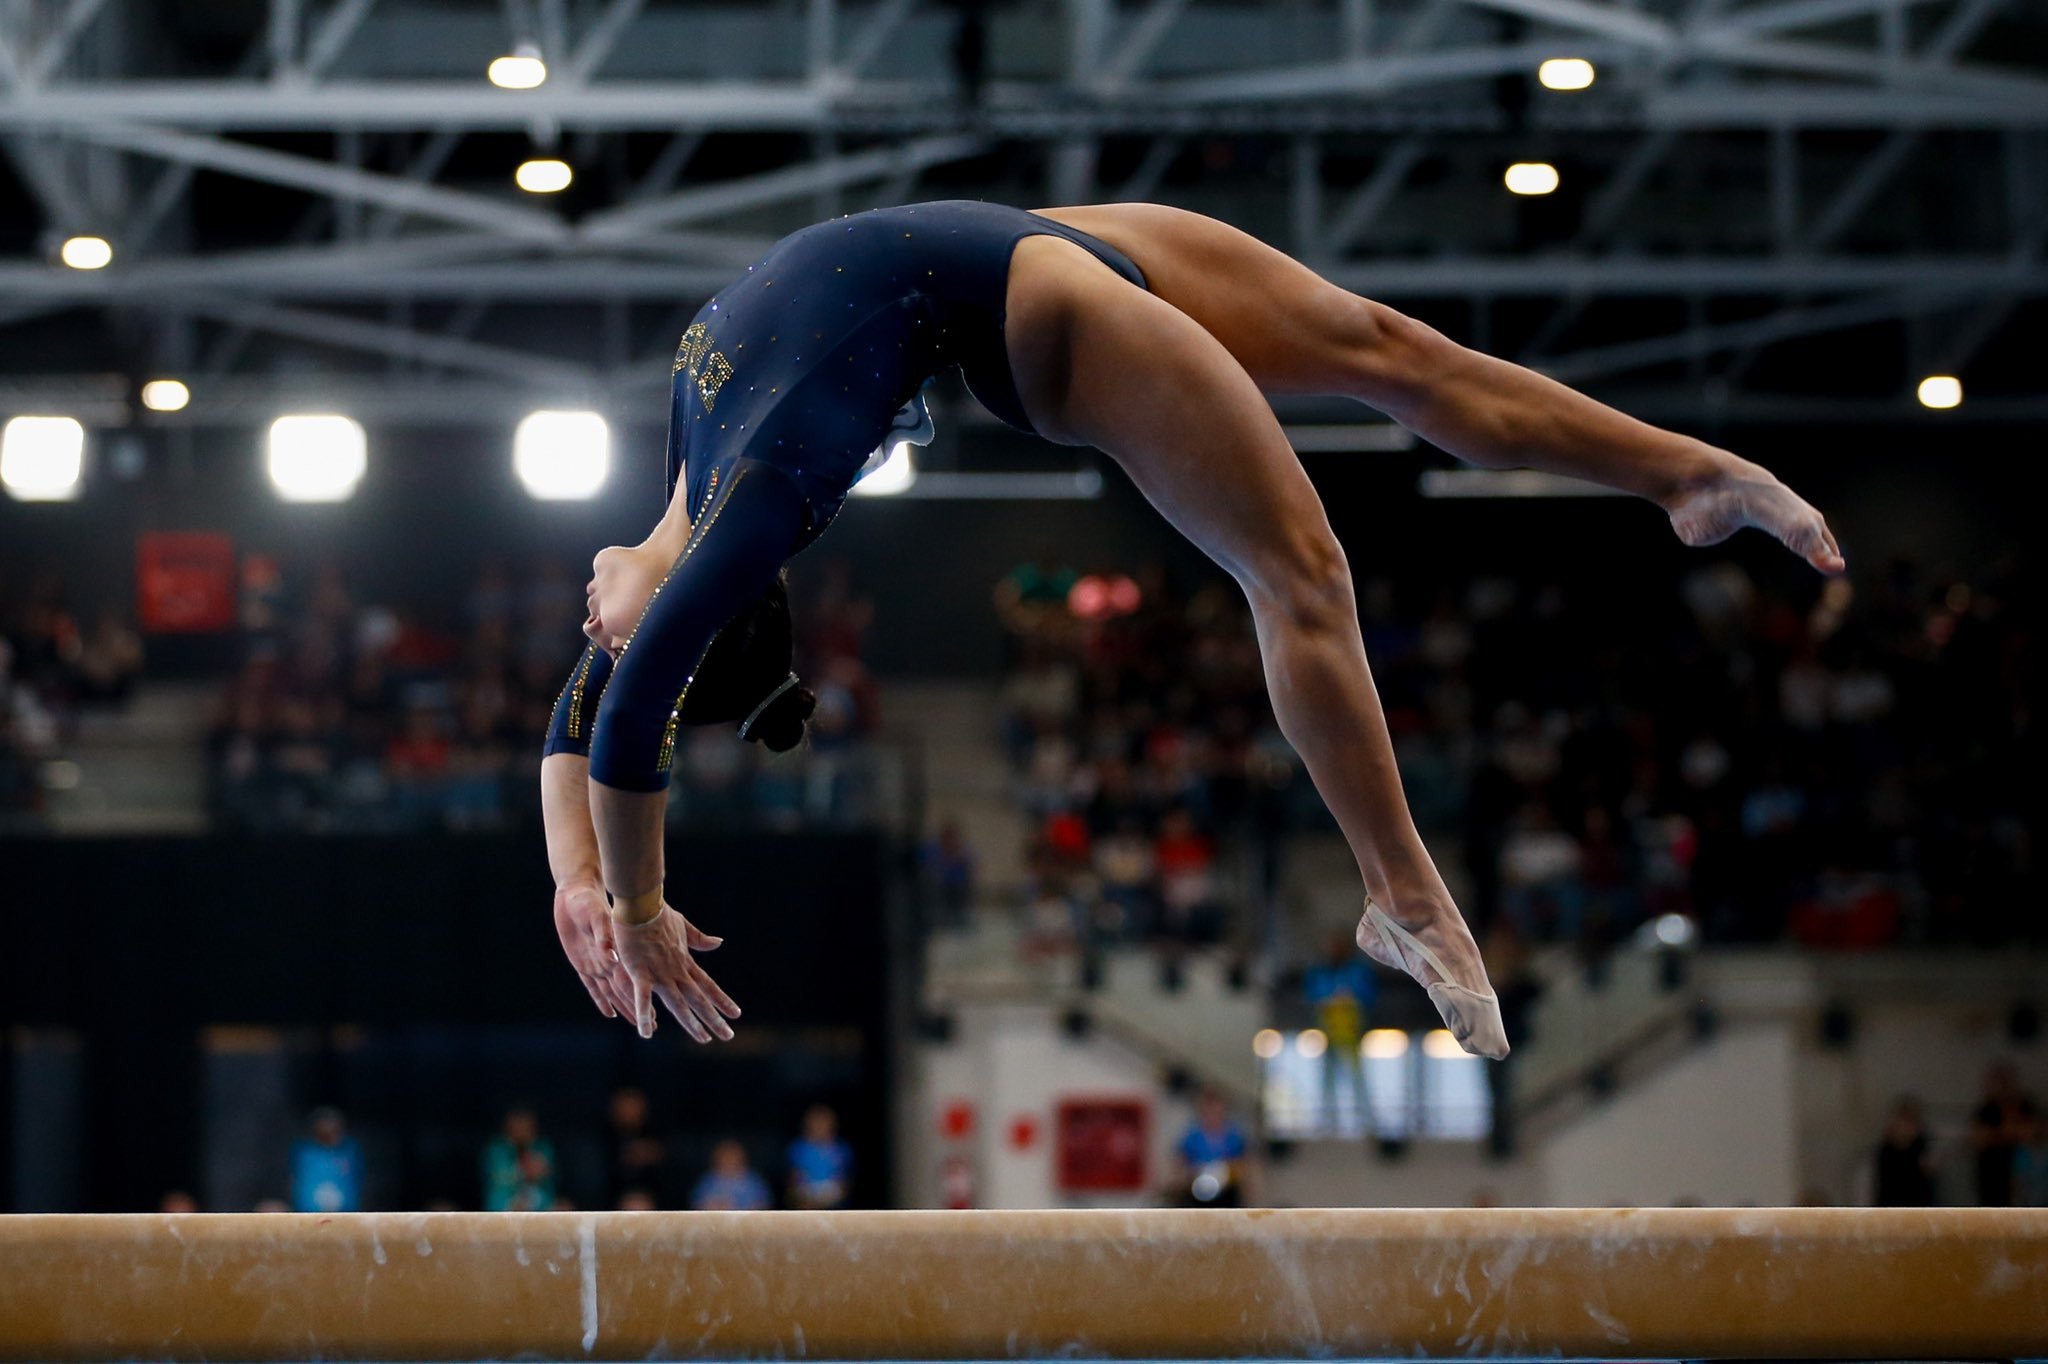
[747,665]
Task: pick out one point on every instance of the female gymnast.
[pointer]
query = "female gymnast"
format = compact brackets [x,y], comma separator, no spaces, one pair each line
[1151,333]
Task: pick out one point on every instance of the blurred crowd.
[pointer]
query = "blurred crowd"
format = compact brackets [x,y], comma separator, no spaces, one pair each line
[2007,1147]
[521,1169]
[1842,765]
[1141,744]
[53,668]
[351,715]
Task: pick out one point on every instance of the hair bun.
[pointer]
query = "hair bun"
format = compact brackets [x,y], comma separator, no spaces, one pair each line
[782,725]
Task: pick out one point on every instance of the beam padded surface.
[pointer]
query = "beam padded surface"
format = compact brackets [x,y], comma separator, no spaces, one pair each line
[1612,1283]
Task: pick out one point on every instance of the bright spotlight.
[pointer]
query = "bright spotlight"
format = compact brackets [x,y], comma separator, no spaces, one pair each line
[894,474]
[317,457]
[1941,391]
[86,253]
[1531,177]
[1311,1042]
[520,70]
[562,456]
[41,458]
[543,175]
[1383,1044]
[1266,1044]
[1565,73]
[165,395]
[1439,1045]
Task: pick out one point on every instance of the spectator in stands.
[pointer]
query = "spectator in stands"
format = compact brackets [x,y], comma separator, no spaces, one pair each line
[2030,1166]
[1998,1128]
[178,1201]
[1215,1157]
[109,660]
[946,866]
[637,1200]
[730,1185]
[1186,858]
[1341,990]
[519,1166]
[1905,1160]
[820,1164]
[637,1159]
[327,1166]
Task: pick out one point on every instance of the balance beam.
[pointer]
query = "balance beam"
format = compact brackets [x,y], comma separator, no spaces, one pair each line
[1211,1284]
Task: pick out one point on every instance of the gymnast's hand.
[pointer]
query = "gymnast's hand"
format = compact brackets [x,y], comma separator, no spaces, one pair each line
[584,923]
[658,965]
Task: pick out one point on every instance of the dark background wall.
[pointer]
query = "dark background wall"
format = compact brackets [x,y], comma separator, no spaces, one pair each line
[435,962]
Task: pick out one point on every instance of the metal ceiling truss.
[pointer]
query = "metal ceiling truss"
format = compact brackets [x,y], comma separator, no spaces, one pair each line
[1747,160]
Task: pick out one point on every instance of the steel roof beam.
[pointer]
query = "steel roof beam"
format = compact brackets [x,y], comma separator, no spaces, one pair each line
[327,178]
[771,187]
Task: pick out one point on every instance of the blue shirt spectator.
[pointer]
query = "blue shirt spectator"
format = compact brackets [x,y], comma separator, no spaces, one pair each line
[1213,1155]
[1208,1146]
[729,1186]
[820,1165]
[327,1167]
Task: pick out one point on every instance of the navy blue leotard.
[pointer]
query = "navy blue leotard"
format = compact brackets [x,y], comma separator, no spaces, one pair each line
[784,384]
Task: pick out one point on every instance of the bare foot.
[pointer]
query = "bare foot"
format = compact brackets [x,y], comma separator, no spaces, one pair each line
[1745,494]
[1442,957]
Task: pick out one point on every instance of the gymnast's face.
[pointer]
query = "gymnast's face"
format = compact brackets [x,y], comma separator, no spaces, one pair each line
[622,582]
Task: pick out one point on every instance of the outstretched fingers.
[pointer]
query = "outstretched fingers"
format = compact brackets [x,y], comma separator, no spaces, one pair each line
[693,1009]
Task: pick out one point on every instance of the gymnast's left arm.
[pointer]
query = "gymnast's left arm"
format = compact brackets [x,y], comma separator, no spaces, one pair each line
[730,560]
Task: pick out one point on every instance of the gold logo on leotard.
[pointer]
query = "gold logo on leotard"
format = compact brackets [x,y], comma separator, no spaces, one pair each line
[691,350]
[708,367]
[717,369]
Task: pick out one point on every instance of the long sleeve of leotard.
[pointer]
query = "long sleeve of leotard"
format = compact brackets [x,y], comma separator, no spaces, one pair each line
[575,713]
[733,555]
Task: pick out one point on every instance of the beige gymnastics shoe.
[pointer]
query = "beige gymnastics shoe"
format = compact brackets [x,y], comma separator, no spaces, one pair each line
[1473,1018]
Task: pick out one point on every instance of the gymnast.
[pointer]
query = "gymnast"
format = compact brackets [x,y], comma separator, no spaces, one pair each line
[1153,334]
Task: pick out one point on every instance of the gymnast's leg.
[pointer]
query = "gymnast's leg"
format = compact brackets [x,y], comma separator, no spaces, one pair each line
[1101,362]
[1296,333]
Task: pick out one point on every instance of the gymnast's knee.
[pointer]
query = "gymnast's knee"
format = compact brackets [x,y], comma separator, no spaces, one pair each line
[1306,586]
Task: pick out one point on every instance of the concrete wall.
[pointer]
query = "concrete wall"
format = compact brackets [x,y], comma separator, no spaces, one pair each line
[1718,1126]
[1014,1062]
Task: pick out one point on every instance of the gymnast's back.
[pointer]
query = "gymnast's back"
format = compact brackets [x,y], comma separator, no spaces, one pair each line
[804,360]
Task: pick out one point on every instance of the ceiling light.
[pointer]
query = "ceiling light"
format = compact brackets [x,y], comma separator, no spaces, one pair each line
[522,69]
[1266,1044]
[86,253]
[1565,73]
[1941,391]
[562,456]
[41,458]
[316,457]
[543,175]
[165,395]
[894,474]
[1311,1043]
[1531,177]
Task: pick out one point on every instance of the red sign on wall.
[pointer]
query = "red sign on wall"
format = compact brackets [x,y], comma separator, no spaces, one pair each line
[1103,1145]
[185,582]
